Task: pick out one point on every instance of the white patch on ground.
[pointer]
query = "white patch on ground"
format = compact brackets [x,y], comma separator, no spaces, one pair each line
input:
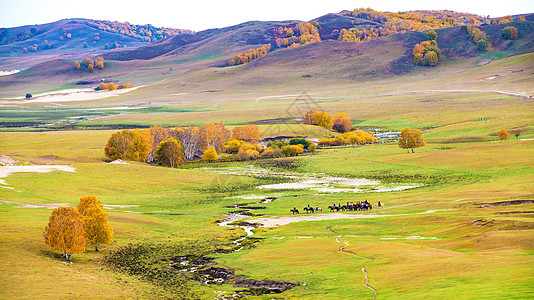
[70,95]
[274,222]
[415,237]
[36,205]
[119,162]
[6,73]
[8,170]
[463,199]
[119,206]
[255,197]
[312,181]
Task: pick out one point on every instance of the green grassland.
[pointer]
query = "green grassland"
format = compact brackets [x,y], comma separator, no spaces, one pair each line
[435,241]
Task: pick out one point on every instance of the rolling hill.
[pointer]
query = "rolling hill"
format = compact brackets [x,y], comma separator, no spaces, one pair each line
[199,61]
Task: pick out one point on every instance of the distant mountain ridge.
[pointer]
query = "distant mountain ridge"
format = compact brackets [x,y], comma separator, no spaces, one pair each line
[69,36]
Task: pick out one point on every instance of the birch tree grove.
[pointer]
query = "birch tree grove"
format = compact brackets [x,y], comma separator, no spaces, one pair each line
[214,135]
[65,231]
[189,138]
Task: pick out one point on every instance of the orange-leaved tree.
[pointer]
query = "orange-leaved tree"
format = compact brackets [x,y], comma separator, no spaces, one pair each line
[65,231]
[410,139]
[170,153]
[247,133]
[342,123]
[503,135]
[97,227]
[210,154]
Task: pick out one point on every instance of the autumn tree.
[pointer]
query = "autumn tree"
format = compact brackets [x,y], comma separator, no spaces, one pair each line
[503,135]
[249,151]
[96,224]
[426,53]
[77,65]
[65,231]
[247,133]
[307,119]
[87,61]
[322,119]
[521,18]
[510,33]
[170,153]
[129,145]
[342,123]
[232,146]
[292,150]
[99,62]
[213,135]
[210,154]
[159,134]
[410,139]
[431,35]
[91,67]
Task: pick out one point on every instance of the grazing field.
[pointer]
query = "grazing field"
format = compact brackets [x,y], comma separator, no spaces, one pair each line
[458,215]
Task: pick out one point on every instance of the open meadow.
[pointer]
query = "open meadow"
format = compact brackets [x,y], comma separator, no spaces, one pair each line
[457,220]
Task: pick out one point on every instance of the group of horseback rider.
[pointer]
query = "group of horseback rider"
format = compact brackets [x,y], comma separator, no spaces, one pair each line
[365,205]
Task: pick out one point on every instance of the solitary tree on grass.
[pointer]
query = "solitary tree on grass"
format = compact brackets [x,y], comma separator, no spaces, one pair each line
[503,135]
[411,138]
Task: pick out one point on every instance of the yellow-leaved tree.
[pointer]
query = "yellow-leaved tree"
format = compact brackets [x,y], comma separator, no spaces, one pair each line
[97,227]
[503,135]
[210,154]
[65,231]
[170,153]
[129,144]
[410,139]
[213,135]
[322,119]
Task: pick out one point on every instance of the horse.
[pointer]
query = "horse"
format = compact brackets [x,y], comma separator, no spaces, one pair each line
[294,211]
[308,209]
[318,209]
[332,208]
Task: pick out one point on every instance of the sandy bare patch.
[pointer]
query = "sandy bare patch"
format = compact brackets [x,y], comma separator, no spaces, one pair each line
[8,170]
[70,95]
[36,205]
[7,161]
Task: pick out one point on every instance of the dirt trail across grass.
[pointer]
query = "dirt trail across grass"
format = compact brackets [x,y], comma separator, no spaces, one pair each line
[341,249]
[36,205]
